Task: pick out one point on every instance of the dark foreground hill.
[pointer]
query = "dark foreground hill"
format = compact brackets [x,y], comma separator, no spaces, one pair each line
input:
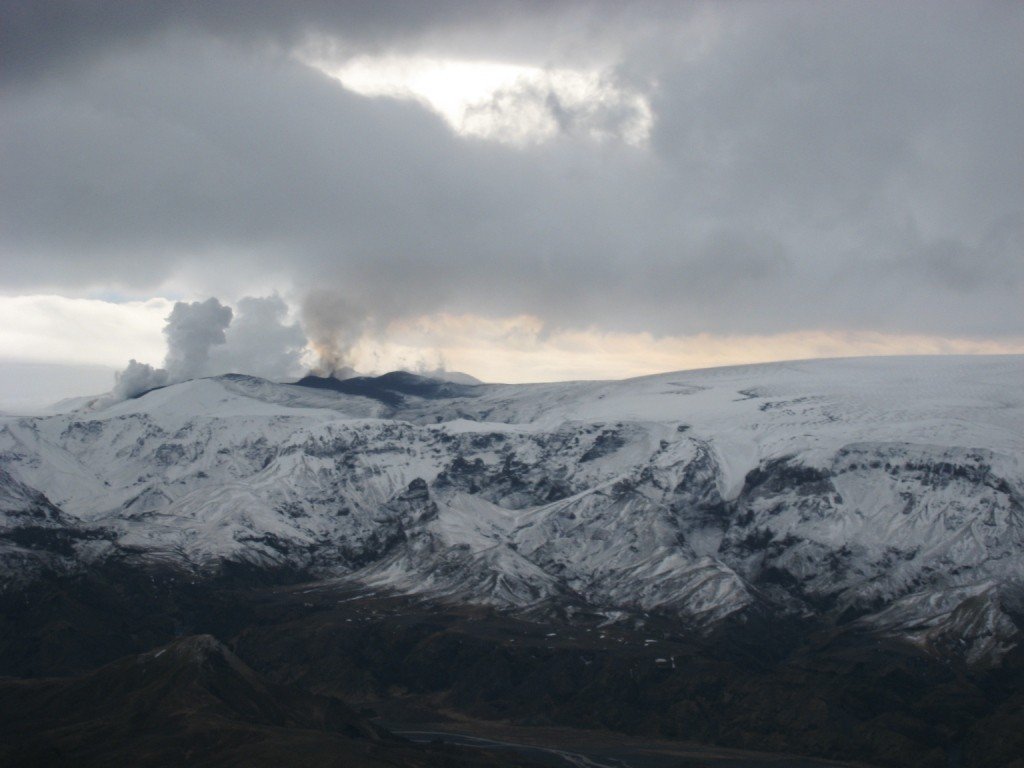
[193,702]
[789,687]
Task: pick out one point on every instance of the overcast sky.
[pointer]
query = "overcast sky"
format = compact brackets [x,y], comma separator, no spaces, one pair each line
[528,190]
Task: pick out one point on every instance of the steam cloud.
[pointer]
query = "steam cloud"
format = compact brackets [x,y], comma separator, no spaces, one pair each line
[207,338]
[137,378]
[191,330]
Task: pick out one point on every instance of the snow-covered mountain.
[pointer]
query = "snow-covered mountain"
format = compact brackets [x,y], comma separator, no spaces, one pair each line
[883,491]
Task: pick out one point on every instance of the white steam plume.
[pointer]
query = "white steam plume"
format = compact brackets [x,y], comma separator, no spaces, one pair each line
[202,340]
[191,330]
[137,378]
[261,342]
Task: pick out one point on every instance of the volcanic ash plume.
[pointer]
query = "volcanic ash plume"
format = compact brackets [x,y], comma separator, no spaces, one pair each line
[333,325]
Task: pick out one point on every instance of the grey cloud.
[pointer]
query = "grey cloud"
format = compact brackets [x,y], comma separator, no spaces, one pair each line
[806,169]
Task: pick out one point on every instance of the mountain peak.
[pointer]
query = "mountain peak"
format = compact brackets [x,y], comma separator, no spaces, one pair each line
[198,648]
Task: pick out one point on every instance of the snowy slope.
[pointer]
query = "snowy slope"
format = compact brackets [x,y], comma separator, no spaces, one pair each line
[886,488]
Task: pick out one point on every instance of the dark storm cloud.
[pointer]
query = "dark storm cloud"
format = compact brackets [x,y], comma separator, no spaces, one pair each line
[40,37]
[848,166]
[46,37]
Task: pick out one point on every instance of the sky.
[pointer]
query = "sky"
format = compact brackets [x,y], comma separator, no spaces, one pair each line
[522,191]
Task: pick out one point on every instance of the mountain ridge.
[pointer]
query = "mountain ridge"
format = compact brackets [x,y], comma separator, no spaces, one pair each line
[840,488]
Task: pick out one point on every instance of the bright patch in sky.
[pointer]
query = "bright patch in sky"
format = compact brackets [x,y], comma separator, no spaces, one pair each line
[56,329]
[511,103]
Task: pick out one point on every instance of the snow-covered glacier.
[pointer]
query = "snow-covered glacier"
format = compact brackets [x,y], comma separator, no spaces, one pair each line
[888,492]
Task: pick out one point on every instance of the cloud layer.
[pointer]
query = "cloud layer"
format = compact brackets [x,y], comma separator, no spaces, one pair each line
[844,168]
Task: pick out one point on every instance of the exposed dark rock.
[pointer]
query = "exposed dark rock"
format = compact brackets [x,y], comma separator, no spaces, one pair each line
[391,388]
